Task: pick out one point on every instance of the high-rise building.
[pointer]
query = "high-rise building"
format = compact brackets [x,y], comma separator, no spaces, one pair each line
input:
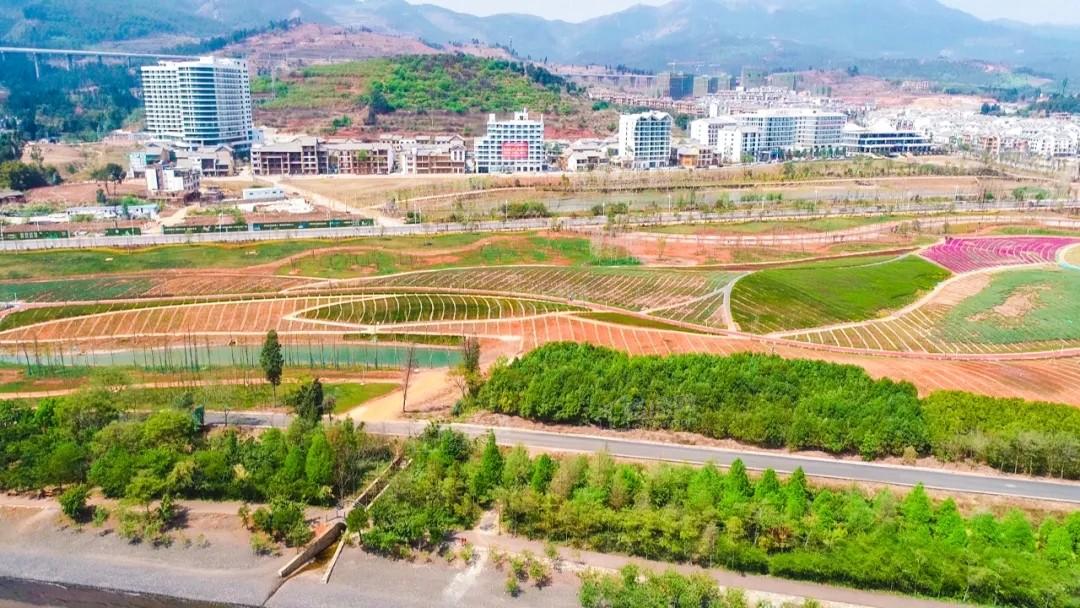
[511,146]
[204,102]
[645,140]
[675,86]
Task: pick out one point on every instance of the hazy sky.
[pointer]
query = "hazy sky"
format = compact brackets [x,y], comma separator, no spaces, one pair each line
[1032,11]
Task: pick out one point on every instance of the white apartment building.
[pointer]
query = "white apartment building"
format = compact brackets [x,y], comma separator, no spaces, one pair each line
[645,140]
[205,102]
[794,129]
[511,146]
[730,141]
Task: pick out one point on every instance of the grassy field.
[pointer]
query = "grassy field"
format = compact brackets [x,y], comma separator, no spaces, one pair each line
[391,338]
[75,289]
[87,262]
[833,291]
[1033,231]
[432,308]
[1017,307]
[348,396]
[399,257]
[830,224]
[618,318]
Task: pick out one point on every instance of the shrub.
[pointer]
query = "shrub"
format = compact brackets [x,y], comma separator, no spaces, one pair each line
[73,502]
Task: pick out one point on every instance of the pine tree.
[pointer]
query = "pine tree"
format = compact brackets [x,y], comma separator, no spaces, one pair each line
[271,360]
[796,496]
[490,470]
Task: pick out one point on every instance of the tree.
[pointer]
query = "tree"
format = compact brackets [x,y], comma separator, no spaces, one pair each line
[319,467]
[308,401]
[490,470]
[271,360]
[65,464]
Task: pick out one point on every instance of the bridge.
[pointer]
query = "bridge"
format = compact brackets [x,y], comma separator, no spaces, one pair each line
[71,54]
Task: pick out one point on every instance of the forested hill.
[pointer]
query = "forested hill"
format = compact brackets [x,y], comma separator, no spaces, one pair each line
[83,23]
[448,85]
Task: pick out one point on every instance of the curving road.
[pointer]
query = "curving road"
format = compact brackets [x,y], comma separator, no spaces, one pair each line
[830,468]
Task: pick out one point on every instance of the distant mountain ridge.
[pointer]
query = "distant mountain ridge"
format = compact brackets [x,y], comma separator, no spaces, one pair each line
[730,33]
[711,35]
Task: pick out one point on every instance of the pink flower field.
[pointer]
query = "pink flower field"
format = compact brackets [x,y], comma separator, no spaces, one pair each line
[967,254]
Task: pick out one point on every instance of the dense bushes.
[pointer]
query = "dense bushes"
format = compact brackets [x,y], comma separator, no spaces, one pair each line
[760,399]
[708,517]
[775,402]
[86,437]
[1009,434]
[632,587]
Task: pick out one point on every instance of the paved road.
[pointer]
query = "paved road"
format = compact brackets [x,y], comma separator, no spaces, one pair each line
[579,223]
[1014,486]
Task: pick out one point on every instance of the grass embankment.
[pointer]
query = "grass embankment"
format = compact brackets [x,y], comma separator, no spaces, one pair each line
[828,224]
[403,338]
[399,255]
[831,291]
[432,308]
[618,318]
[83,262]
[30,316]
[348,396]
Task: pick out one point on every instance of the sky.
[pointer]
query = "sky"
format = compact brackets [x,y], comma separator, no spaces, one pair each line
[1031,11]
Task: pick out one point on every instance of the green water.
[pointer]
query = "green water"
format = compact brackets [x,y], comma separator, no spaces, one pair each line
[203,357]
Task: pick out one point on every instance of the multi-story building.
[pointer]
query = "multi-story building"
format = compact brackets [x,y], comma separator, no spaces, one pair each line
[205,102]
[301,156]
[645,140]
[753,77]
[797,129]
[674,86]
[358,158]
[433,158]
[730,141]
[209,161]
[511,146]
[167,181]
[884,141]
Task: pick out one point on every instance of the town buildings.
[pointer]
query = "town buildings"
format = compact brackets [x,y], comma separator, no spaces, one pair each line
[511,146]
[205,102]
[645,140]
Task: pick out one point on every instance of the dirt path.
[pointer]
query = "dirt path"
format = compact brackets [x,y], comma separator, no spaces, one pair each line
[427,390]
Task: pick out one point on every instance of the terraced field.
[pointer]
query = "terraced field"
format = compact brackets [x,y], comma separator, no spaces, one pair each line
[144,286]
[825,293]
[1008,312]
[968,254]
[630,288]
[431,308]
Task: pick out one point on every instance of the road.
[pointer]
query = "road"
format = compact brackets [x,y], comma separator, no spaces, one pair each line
[570,223]
[828,468]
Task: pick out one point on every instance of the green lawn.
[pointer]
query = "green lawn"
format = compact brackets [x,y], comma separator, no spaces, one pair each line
[414,308]
[833,291]
[1019,306]
[348,396]
[81,262]
[411,254]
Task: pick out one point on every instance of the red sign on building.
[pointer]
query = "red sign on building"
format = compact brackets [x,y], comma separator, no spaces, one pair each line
[515,150]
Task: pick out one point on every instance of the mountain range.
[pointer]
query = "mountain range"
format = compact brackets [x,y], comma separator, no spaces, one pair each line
[703,35]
